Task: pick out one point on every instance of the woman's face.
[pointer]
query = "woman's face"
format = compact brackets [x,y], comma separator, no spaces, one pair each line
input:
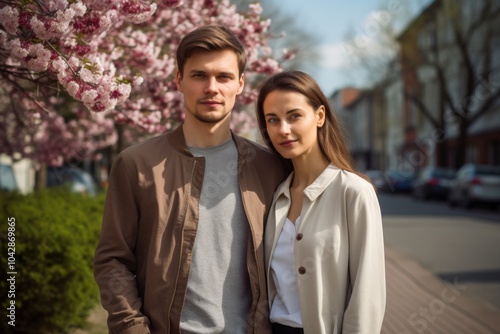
[292,124]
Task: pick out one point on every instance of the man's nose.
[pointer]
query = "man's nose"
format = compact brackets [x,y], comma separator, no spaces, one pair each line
[211,87]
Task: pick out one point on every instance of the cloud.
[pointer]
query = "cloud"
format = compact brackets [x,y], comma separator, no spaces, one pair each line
[333,56]
[370,39]
[349,54]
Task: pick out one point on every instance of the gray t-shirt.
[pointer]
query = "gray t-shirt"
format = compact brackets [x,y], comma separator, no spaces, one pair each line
[218,297]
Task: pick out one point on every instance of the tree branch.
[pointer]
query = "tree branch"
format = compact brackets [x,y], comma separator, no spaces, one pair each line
[23,91]
[485,107]
[423,108]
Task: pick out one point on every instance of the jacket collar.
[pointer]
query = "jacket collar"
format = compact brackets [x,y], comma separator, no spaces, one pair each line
[178,142]
[316,188]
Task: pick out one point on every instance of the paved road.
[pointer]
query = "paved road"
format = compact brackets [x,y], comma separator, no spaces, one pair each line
[457,245]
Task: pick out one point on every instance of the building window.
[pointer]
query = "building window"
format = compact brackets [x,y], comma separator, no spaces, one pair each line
[471,154]
[494,75]
[495,153]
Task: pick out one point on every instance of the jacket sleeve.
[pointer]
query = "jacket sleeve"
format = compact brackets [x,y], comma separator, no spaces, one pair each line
[366,307]
[114,260]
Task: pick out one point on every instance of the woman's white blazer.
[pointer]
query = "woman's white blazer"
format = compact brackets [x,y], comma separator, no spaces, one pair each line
[339,253]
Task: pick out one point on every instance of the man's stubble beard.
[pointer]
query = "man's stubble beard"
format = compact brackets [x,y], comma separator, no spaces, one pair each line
[211,119]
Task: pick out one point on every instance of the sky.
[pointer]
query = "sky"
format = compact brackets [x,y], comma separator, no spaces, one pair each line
[332,20]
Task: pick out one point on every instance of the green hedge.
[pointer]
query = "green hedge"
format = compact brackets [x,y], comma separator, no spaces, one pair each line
[56,233]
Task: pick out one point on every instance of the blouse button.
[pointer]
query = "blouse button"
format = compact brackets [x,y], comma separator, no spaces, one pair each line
[299,236]
[302,270]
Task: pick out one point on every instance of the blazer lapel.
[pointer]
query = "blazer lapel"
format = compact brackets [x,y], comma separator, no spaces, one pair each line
[315,189]
[282,205]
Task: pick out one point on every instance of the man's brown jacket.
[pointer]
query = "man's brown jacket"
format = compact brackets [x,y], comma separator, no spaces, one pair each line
[149,225]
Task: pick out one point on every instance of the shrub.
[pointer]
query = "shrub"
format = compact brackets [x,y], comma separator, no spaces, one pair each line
[56,233]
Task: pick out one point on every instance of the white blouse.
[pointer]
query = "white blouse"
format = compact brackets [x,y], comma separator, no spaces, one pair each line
[285,308]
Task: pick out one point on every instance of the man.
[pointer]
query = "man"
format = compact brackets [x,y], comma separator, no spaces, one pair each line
[181,242]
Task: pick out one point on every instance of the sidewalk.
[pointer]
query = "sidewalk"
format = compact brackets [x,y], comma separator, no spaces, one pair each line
[419,302]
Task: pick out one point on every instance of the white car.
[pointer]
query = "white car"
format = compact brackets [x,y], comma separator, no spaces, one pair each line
[7,178]
[377,177]
[475,184]
[78,180]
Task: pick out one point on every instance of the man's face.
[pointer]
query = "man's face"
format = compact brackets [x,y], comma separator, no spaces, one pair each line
[210,84]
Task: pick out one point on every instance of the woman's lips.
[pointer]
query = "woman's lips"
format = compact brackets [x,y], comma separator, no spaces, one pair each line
[287,142]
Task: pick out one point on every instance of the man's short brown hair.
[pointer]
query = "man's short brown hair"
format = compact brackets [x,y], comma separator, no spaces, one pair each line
[210,38]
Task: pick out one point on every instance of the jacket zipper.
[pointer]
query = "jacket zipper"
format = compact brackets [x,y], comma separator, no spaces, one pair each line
[252,233]
[186,201]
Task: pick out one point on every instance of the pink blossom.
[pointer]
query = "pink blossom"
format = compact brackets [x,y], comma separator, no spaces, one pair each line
[266,66]
[72,88]
[3,39]
[9,18]
[89,96]
[25,20]
[59,65]
[169,3]
[107,20]
[89,76]
[87,24]
[54,5]
[255,9]
[137,12]
[39,28]
[16,49]
[116,60]
[78,7]
[81,50]
[74,62]
[138,80]
[288,54]
[38,58]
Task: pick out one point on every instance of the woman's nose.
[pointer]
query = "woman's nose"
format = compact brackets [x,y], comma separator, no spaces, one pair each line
[284,127]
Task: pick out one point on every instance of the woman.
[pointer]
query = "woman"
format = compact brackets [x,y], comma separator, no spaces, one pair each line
[323,241]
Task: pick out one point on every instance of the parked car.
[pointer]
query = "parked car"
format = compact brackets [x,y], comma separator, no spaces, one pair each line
[399,181]
[78,180]
[475,184]
[377,177]
[433,182]
[7,178]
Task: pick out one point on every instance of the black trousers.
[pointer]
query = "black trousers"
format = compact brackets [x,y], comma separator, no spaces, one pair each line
[283,329]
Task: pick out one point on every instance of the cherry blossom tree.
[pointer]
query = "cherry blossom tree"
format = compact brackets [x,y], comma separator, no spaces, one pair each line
[73,71]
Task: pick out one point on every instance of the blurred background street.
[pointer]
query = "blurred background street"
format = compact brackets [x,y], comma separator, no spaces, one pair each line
[451,243]
[457,246]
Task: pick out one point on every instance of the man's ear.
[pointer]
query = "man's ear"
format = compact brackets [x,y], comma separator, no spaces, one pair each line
[321,114]
[178,80]
[241,83]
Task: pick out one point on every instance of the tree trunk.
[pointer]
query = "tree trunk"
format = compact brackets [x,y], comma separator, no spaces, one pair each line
[120,143]
[41,177]
[461,148]
[441,154]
